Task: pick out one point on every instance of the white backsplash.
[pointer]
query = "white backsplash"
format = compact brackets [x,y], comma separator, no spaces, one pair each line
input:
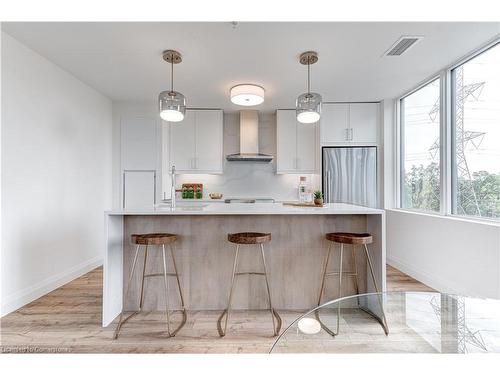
[250,179]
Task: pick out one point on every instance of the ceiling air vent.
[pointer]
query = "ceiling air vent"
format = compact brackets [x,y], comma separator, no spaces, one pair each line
[402,45]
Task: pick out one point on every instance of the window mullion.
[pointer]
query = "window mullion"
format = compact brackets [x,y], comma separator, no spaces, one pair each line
[446,143]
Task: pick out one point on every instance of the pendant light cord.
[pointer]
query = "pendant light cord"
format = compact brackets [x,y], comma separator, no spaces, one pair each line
[308,75]
[172,76]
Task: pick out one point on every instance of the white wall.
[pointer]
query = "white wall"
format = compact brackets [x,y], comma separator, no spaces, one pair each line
[448,254]
[56,175]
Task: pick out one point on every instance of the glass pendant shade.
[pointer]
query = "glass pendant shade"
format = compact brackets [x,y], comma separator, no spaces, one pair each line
[247,95]
[172,106]
[308,108]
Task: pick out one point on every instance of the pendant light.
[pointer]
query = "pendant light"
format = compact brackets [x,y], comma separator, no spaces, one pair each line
[172,104]
[308,105]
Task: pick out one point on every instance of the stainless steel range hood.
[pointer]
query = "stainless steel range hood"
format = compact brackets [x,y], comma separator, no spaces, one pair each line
[249,140]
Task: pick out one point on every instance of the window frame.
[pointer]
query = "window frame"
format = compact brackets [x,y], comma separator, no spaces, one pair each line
[401,150]
[447,162]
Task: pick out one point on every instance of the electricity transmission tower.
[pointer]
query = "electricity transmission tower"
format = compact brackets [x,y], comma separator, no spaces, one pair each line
[468,203]
[450,312]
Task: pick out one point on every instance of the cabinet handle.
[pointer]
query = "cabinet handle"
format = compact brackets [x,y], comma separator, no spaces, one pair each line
[352,134]
[297,163]
[346,134]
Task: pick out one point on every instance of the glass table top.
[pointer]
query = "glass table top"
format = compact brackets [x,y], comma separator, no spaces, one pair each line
[417,322]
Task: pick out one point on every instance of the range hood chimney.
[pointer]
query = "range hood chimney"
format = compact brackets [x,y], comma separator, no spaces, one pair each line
[249,139]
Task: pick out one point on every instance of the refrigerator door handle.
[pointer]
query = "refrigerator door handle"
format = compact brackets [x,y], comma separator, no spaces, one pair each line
[327,186]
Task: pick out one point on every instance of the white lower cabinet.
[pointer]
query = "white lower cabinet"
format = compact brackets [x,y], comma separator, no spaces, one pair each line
[195,144]
[297,144]
[349,123]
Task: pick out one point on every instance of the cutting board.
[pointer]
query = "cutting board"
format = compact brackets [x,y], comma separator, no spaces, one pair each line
[300,204]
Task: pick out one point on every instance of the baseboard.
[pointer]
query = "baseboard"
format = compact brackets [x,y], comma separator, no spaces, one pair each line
[17,300]
[432,281]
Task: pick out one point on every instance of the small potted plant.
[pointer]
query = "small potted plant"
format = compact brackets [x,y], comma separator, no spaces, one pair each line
[318,198]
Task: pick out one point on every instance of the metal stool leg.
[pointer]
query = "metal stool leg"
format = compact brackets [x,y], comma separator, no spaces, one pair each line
[165,278]
[340,286]
[324,274]
[222,332]
[325,269]
[183,307]
[141,304]
[355,269]
[383,322]
[274,314]
[120,321]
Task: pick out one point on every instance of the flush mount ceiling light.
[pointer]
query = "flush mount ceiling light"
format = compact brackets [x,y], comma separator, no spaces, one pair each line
[247,95]
[172,104]
[308,105]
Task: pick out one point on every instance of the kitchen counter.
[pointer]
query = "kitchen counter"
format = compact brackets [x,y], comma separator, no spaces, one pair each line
[295,255]
[206,208]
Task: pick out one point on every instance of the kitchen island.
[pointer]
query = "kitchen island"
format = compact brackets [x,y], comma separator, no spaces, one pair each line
[295,256]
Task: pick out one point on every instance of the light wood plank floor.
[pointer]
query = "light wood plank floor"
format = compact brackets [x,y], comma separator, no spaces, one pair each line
[69,320]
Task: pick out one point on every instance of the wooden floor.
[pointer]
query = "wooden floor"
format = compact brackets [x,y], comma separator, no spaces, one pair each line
[68,320]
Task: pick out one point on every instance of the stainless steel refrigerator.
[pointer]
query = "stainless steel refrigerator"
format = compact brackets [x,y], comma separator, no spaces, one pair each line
[350,175]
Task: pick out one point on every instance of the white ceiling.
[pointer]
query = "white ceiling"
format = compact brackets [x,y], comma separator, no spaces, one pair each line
[123,60]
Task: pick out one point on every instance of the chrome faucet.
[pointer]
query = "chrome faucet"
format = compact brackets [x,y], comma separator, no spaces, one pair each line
[172,188]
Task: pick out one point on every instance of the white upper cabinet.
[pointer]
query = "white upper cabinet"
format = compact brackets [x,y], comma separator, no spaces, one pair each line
[195,144]
[296,144]
[364,122]
[209,141]
[182,142]
[334,123]
[349,123]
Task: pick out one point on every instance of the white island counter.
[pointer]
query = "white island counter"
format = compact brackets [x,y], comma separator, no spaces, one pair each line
[295,256]
[221,208]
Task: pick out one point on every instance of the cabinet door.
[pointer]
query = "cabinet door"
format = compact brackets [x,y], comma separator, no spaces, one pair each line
[182,143]
[139,189]
[306,147]
[364,122]
[334,123]
[138,143]
[286,134]
[209,137]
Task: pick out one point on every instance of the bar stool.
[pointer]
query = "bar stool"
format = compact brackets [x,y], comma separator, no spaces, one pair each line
[354,239]
[249,238]
[159,240]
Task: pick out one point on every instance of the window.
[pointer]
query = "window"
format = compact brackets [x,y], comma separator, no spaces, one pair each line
[420,148]
[467,182]
[476,136]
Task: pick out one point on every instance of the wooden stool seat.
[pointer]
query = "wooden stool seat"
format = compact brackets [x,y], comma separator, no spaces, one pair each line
[153,238]
[249,238]
[350,238]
